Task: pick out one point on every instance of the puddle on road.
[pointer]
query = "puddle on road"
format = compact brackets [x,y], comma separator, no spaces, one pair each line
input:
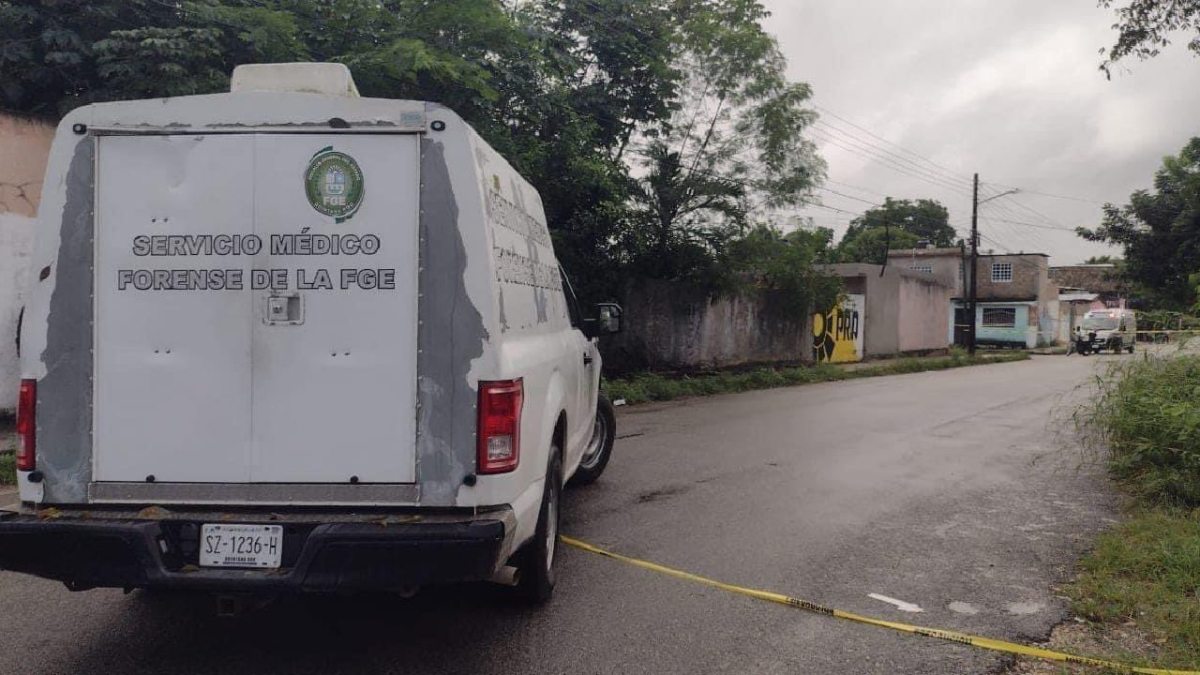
[963,608]
[1024,608]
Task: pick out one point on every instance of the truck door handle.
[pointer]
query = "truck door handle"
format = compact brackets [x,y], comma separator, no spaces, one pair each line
[587,359]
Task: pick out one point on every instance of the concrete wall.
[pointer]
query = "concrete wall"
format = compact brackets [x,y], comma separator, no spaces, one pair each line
[24,148]
[925,309]
[944,264]
[676,325]
[905,311]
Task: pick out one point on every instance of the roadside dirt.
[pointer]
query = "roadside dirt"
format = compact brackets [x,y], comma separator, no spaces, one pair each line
[1121,642]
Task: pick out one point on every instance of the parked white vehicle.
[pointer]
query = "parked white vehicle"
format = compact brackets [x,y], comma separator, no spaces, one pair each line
[287,338]
[1114,329]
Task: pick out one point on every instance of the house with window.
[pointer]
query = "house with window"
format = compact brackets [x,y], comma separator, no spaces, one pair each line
[1017,302]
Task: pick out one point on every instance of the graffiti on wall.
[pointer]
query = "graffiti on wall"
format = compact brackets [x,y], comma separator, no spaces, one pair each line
[838,333]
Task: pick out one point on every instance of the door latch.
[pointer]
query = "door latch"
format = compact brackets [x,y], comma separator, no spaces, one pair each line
[284,309]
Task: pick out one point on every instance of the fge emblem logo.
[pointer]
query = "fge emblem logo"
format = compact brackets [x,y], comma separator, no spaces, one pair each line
[333,183]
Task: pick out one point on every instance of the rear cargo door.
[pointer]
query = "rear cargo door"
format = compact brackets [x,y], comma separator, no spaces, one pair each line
[256,308]
[335,340]
[172,367]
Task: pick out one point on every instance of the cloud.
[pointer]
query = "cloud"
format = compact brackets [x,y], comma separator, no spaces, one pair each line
[1011,90]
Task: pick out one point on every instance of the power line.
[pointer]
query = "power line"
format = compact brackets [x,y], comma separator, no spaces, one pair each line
[895,145]
[842,194]
[899,168]
[1025,224]
[855,187]
[872,152]
[883,151]
[1052,195]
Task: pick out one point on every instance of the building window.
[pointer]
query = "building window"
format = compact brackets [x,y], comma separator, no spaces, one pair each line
[1000,317]
[1001,273]
[927,269]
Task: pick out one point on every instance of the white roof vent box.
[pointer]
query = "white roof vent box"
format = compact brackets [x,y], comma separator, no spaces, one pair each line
[330,79]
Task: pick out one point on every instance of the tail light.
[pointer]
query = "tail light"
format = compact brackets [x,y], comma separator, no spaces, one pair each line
[26,427]
[499,432]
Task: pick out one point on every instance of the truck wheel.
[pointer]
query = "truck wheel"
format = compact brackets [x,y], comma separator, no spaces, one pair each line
[600,446]
[535,563]
[1130,348]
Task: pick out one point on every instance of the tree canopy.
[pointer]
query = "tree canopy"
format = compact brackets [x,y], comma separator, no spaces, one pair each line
[1160,232]
[658,132]
[1144,27]
[897,223]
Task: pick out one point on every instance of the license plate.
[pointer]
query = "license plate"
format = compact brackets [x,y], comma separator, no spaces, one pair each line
[226,545]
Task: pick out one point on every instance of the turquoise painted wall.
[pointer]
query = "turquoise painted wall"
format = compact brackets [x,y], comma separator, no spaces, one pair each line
[1020,333]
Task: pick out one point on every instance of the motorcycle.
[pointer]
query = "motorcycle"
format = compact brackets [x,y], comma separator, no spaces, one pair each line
[1084,343]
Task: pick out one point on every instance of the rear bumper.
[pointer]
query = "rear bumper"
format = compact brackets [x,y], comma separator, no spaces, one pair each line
[353,554]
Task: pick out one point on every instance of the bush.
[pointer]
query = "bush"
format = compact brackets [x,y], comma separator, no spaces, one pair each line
[1148,415]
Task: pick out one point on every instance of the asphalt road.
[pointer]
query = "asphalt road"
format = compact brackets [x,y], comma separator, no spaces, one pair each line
[958,491]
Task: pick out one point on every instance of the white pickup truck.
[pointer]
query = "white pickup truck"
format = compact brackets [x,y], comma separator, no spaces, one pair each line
[292,339]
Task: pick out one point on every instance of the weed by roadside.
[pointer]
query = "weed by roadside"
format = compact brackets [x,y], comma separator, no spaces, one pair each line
[1147,416]
[1146,573]
[656,387]
[1143,576]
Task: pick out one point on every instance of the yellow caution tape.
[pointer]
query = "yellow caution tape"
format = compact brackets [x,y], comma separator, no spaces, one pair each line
[795,603]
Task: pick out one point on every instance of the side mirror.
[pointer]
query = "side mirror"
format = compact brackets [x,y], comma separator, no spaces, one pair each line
[607,321]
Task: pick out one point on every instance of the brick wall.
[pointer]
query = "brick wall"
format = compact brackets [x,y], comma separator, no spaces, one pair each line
[1030,278]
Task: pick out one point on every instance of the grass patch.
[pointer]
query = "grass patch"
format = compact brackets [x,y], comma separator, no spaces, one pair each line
[8,468]
[657,387]
[1146,418]
[1147,415]
[1147,570]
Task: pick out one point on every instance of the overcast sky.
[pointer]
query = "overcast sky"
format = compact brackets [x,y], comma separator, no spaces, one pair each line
[1008,89]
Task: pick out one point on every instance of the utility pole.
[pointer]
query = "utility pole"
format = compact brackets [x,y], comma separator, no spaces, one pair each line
[971,318]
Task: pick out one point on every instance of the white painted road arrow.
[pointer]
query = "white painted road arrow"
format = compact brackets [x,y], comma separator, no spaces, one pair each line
[900,604]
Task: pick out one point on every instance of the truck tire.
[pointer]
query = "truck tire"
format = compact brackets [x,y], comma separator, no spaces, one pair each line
[535,561]
[600,446]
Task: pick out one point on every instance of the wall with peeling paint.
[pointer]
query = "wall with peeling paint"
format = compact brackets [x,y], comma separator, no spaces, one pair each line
[677,325]
[24,148]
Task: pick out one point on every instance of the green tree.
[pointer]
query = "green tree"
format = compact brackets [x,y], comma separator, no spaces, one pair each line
[676,205]
[567,90]
[1144,27]
[1102,260]
[1160,232]
[872,244]
[733,151]
[557,87]
[786,264]
[897,223]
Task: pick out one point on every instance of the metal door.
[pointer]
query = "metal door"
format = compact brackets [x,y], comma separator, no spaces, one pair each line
[172,360]
[256,308]
[334,342]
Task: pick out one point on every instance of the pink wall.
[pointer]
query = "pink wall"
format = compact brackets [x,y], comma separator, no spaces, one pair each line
[24,148]
[924,315]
